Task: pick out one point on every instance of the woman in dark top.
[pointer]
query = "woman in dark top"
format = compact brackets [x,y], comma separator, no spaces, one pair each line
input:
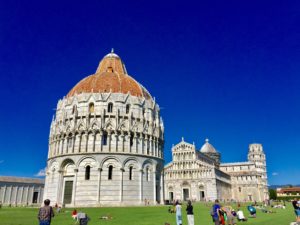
[190,214]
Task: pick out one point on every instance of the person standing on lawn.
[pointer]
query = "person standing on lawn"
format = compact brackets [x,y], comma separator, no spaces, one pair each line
[45,213]
[190,213]
[178,213]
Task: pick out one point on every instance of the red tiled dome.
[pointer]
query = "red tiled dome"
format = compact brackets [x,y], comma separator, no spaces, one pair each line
[111,76]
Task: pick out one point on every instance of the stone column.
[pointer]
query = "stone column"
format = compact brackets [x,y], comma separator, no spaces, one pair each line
[128,143]
[101,145]
[65,147]
[16,195]
[74,187]
[150,146]
[162,188]
[154,186]
[40,195]
[57,146]
[73,143]
[59,187]
[156,148]
[79,142]
[86,135]
[60,146]
[146,145]
[10,194]
[32,190]
[142,144]
[94,141]
[135,148]
[122,141]
[99,185]
[116,142]
[141,185]
[121,185]
[22,192]
[3,196]
[27,195]
[109,140]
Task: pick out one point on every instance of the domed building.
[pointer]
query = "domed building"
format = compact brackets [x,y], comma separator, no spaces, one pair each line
[199,175]
[106,142]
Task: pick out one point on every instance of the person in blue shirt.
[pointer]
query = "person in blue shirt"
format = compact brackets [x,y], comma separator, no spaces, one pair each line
[215,212]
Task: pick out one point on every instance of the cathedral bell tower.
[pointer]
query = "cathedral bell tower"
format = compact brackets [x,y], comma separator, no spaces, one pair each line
[258,157]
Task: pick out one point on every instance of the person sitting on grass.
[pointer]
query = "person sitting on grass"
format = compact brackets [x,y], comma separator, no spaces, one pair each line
[252,211]
[240,215]
[229,215]
[82,218]
[74,214]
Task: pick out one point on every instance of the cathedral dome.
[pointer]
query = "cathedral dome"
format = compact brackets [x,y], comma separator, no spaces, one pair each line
[110,77]
[208,148]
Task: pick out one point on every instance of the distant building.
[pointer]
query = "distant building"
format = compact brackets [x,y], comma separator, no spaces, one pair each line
[288,192]
[18,191]
[200,175]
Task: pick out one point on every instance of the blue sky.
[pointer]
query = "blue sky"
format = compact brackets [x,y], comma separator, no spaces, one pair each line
[225,70]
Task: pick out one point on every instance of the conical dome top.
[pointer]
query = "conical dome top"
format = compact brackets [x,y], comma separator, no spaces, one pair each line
[112,63]
[207,147]
[110,77]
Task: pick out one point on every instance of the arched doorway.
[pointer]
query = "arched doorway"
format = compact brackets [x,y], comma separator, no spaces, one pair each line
[68,168]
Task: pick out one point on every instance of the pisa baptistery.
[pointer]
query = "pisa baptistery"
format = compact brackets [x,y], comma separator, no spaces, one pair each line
[106,142]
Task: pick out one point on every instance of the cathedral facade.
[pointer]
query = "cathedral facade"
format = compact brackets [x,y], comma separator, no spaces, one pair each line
[199,175]
[106,142]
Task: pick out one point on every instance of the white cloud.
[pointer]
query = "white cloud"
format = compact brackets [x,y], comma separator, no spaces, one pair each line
[275,174]
[41,173]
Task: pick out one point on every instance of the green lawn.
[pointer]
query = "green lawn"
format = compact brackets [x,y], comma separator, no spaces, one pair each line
[155,215]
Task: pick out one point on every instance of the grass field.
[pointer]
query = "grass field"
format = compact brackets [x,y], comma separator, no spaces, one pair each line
[155,215]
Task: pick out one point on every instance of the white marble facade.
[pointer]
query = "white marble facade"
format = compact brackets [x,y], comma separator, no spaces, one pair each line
[200,176]
[106,148]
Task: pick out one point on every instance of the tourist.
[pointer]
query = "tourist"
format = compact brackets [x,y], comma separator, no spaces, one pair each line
[178,213]
[240,215]
[45,213]
[229,214]
[82,218]
[215,212]
[190,214]
[74,214]
[252,211]
[296,206]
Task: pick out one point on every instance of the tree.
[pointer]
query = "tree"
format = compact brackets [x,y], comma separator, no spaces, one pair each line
[273,194]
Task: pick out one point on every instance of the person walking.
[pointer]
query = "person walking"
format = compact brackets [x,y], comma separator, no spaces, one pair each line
[45,213]
[190,213]
[178,214]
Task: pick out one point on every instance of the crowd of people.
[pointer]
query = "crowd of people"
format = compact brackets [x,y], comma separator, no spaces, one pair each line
[221,215]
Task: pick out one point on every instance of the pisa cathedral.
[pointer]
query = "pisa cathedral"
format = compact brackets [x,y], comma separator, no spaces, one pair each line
[200,175]
[106,148]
